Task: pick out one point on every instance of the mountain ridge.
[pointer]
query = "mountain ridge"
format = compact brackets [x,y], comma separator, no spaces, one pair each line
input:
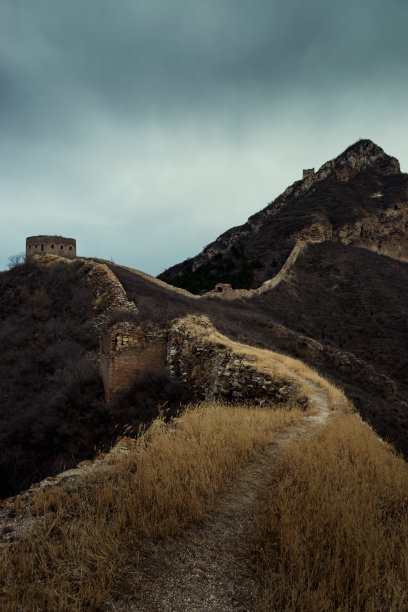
[358,198]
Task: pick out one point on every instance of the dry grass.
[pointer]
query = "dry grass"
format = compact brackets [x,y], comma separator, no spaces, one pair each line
[84,535]
[334,535]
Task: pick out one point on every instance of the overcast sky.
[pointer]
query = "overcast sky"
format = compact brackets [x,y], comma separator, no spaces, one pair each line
[145,128]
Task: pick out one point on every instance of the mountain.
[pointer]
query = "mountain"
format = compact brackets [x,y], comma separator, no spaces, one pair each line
[328,271]
[91,351]
[360,199]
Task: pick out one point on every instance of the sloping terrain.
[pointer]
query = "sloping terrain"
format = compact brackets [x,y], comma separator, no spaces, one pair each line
[53,411]
[359,198]
[207,569]
[225,508]
[51,396]
[157,486]
[336,303]
[348,308]
[340,309]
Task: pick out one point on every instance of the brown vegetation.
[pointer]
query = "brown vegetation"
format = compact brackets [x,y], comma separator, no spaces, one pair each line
[340,309]
[82,538]
[334,535]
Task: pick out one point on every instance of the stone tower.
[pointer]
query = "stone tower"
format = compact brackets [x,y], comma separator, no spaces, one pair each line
[309,172]
[55,245]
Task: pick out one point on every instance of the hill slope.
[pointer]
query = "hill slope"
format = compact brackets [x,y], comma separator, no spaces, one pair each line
[360,198]
[337,306]
[340,309]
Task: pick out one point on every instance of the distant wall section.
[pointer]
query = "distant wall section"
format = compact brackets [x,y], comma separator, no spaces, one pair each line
[54,245]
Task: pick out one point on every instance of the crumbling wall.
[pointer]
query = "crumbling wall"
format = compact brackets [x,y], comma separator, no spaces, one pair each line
[128,352]
[209,364]
[308,172]
[212,369]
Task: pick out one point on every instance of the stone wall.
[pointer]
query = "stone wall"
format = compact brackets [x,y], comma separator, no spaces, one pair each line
[212,369]
[209,368]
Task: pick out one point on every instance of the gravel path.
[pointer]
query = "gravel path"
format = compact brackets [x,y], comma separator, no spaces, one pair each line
[208,567]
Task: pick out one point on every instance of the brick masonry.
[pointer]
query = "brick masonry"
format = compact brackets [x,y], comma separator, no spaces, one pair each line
[52,245]
[128,352]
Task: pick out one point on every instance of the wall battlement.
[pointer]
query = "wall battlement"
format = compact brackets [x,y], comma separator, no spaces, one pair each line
[54,245]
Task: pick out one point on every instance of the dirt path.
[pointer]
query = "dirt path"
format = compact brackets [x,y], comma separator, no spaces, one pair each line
[208,567]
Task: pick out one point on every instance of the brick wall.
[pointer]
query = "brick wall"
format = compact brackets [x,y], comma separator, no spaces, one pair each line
[128,352]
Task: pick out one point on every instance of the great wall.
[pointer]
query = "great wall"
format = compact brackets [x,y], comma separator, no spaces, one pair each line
[189,349]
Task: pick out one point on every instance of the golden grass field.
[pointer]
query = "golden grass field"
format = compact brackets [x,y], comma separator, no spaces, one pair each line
[83,539]
[333,535]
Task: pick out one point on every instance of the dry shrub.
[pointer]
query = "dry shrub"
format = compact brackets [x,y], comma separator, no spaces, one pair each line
[334,535]
[84,536]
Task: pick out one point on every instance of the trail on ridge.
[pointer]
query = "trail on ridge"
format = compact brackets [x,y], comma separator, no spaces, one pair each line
[208,567]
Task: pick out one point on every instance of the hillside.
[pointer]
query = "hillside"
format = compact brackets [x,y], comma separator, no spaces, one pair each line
[245,479]
[225,508]
[338,304]
[53,411]
[360,198]
[340,309]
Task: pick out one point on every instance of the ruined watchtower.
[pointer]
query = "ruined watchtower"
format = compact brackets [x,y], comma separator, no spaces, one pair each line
[309,172]
[55,245]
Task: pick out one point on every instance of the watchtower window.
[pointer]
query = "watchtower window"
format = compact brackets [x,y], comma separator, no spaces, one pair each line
[61,247]
[42,247]
[29,246]
[52,246]
[70,248]
[35,246]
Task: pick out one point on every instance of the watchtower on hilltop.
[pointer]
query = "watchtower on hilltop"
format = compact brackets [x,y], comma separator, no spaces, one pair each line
[309,172]
[54,245]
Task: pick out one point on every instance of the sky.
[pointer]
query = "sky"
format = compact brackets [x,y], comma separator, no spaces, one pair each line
[145,128]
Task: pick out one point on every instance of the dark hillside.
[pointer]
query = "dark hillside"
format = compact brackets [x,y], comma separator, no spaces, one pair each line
[52,407]
[50,392]
[339,304]
[348,308]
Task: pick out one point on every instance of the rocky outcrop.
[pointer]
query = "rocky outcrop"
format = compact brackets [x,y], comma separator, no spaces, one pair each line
[213,369]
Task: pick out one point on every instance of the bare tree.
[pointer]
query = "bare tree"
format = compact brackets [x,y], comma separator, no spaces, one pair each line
[16,260]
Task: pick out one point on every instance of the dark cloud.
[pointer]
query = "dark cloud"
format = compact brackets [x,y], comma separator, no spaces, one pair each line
[186,112]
